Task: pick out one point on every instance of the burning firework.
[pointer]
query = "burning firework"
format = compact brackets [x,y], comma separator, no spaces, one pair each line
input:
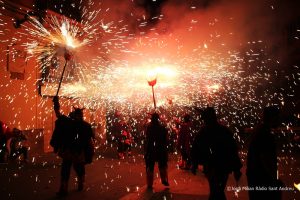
[191,71]
[58,36]
[193,60]
[297,186]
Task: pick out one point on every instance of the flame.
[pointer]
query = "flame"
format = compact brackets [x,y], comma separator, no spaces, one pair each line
[166,75]
[59,35]
[213,88]
[68,39]
[151,75]
[297,186]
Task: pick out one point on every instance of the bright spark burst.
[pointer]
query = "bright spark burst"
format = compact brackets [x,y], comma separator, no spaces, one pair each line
[59,35]
[239,83]
[297,186]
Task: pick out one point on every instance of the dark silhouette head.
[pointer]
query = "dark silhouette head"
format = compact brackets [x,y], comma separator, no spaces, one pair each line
[77,113]
[16,131]
[154,117]
[186,118]
[271,116]
[209,115]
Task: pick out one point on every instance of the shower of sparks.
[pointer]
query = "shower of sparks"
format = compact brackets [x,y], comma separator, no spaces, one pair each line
[202,78]
[116,77]
[111,65]
[57,36]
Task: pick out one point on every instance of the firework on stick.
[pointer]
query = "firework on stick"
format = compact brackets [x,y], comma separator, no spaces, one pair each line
[58,37]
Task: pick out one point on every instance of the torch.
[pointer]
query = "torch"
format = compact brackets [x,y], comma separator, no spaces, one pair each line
[152,81]
[67,57]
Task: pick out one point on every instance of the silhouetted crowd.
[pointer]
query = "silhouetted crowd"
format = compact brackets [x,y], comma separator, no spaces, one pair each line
[213,147]
[13,144]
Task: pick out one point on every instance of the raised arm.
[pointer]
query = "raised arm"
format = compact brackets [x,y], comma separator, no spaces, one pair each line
[56,106]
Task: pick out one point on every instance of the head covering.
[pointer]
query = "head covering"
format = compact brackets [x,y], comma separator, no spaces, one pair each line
[76,112]
[16,130]
[270,112]
[187,118]
[155,117]
[209,114]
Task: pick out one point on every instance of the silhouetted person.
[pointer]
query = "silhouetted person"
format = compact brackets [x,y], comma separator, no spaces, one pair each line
[124,139]
[215,148]
[71,140]
[262,158]
[119,134]
[156,150]
[3,142]
[18,146]
[184,142]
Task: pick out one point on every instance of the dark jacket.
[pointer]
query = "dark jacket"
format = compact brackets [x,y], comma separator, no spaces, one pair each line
[185,138]
[62,133]
[262,156]
[71,135]
[215,148]
[156,142]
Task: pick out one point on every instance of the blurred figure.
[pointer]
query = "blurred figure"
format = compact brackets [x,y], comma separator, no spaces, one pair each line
[18,145]
[173,127]
[184,142]
[121,135]
[116,126]
[156,150]
[5,134]
[215,148]
[72,139]
[124,141]
[262,157]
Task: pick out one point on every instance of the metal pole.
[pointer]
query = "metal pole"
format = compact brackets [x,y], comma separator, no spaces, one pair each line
[153,97]
[7,58]
[61,78]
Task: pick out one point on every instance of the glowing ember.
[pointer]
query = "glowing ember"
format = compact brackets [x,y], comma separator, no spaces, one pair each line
[297,186]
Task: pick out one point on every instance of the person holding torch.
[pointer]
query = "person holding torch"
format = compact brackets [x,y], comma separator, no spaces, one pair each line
[156,150]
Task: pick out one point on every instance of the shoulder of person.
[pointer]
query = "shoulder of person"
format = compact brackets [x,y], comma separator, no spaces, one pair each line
[205,129]
[86,123]
[201,133]
[63,118]
[260,130]
[225,129]
[164,127]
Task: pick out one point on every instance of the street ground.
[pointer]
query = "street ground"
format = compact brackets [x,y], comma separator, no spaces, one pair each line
[110,178]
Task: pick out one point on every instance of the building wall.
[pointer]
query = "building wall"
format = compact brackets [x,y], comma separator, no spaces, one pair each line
[20,104]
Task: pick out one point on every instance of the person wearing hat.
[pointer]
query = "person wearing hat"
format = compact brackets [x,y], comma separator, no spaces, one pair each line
[215,148]
[71,140]
[156,150]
